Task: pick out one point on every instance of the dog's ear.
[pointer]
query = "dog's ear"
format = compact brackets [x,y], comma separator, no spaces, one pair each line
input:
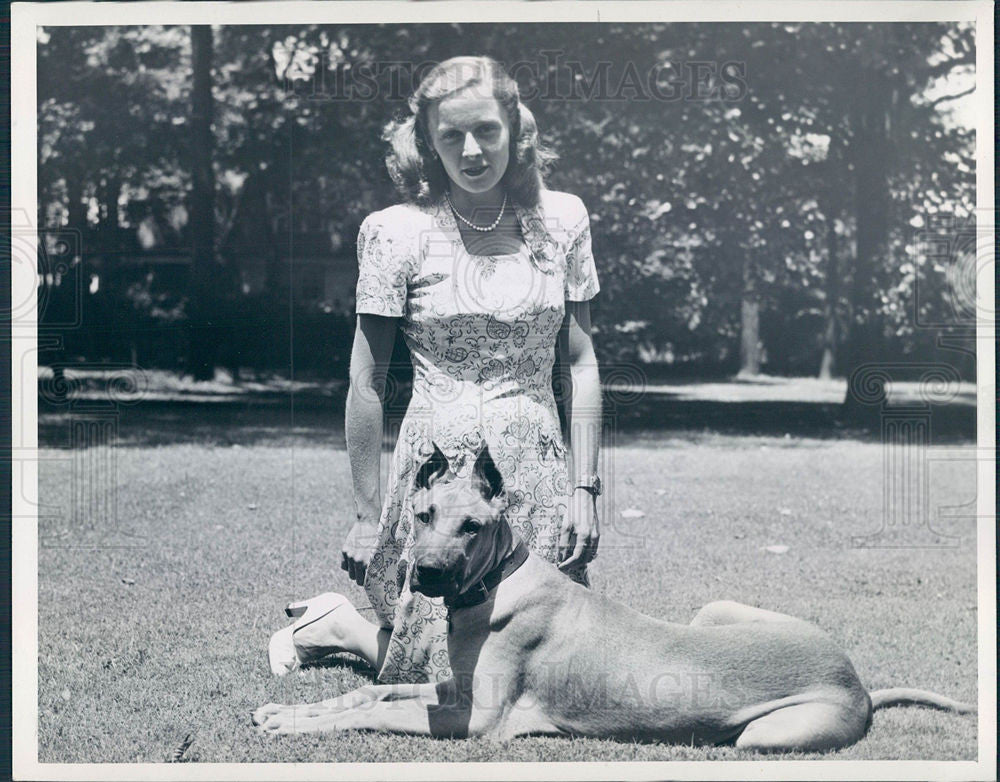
[488,474]
[431,470]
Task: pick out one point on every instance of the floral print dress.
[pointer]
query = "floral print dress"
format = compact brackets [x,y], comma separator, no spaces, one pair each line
[481,331]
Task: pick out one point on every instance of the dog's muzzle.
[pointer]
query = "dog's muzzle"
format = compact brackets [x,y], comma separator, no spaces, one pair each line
[434,581]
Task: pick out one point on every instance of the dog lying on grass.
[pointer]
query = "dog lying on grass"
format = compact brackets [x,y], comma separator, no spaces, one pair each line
[534,653]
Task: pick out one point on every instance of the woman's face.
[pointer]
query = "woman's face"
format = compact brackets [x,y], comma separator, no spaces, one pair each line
[471,134]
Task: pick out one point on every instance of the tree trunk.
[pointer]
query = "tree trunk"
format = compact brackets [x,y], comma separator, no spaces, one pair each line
[77,225]
[869,152]
[108,237]
[109,247]
[76,211]
[872,217]
[831,336]
[201,326]
[750,346]
[110,190]
[274,276]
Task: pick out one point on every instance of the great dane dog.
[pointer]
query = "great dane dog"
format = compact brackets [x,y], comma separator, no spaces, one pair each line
[532,652]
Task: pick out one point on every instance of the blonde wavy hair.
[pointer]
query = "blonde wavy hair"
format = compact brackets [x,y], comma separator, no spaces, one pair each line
[417,172]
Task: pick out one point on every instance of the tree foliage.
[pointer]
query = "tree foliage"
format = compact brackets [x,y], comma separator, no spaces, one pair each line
[791,168]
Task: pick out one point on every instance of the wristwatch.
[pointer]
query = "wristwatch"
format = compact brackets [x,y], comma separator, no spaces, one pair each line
[593,485]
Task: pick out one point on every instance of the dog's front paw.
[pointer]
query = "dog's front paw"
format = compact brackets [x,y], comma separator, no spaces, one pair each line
[276,719]
[261,716]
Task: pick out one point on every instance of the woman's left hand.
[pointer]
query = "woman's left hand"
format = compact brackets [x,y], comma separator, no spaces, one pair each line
[580,534]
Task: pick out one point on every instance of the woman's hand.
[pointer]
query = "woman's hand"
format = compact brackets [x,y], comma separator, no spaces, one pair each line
[580,535]
[357,551]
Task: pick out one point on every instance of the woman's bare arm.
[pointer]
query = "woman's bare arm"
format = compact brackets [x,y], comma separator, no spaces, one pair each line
[583,424]
[370,355]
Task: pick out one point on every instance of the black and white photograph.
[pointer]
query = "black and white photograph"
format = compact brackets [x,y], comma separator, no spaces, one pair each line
[577,390]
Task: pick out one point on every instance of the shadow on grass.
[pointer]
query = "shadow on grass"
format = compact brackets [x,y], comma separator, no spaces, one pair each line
[346,662]
[821,420]
[319,421]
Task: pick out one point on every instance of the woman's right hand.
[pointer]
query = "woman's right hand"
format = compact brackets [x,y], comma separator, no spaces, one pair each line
[357,550]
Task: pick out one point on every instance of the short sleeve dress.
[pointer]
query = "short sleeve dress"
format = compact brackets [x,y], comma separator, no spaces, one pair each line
[481,331]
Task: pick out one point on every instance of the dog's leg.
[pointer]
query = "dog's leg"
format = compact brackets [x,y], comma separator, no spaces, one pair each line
[272,715]
[805,727]
[726,612]
[437,710]
[413,716]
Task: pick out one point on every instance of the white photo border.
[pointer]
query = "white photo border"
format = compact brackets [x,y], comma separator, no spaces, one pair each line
[25,17]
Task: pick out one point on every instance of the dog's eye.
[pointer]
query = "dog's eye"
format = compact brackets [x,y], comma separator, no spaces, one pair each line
[471,526]
[423,518]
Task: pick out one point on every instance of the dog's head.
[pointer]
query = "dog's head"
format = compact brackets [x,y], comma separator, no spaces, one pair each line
[461,532]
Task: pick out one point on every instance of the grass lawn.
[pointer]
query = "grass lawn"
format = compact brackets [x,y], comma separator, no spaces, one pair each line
[154,616]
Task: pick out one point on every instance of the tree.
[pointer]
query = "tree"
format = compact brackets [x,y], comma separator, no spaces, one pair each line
[204,269]
[725,211]
[894,65]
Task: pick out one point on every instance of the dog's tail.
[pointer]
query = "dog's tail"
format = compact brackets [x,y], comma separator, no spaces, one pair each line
[905,696]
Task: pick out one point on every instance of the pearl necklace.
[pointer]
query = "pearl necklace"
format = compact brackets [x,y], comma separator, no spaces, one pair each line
[471,224]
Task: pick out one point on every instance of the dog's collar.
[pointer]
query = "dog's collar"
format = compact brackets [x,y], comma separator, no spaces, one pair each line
[479,591]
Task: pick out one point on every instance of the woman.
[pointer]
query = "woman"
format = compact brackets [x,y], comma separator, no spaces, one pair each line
[486,273]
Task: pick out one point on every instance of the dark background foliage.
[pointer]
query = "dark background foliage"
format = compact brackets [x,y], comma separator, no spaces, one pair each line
[779,198]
